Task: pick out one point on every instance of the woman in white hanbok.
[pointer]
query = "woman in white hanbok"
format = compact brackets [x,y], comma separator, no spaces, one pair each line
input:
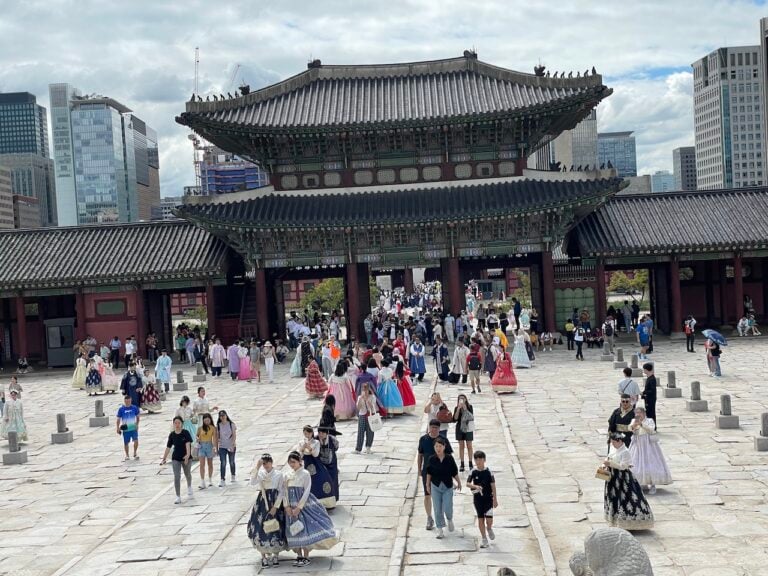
[648,464]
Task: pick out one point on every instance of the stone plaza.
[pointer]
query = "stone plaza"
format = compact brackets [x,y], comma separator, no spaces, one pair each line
[78,510]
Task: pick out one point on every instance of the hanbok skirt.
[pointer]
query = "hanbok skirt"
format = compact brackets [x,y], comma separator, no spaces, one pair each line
[315,386]
[346,406]
[151,399]
[190,427]
[520,356]
[110,382]
[318,532]
[417,365]
[78,378]
[322,482]
[267,542]
[390,397]
[295,370]
[407,395]
[624,503]
[648,464]
[504,380]
[245,370]
[15,424]
[93,382]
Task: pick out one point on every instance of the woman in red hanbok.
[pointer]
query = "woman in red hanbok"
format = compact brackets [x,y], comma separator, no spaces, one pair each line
[504,380]
[403,377]
[314,383]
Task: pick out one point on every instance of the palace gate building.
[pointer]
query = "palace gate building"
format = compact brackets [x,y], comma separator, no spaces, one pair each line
[387,167]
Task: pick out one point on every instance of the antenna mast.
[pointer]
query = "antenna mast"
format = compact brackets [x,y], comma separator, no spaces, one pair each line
[197,67]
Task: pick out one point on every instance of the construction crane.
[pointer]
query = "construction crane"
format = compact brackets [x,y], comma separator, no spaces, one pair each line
[198,151]
[233,77]
[197,68]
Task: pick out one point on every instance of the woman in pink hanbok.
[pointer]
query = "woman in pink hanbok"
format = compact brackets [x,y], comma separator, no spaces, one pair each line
[342,389]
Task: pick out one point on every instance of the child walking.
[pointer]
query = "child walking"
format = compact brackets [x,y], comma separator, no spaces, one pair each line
[482,484]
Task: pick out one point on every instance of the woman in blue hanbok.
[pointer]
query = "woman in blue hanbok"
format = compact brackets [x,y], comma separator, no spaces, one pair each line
[268,506]
[303,510]
[163,370]
[329,446]
[387,390]
[322,483]
[416,360]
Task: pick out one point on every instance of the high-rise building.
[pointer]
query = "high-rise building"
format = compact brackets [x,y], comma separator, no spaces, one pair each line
[662,181]
[167,204]
[578,147]
[223,172]
[728,120]
[619,149]
[24,151]
[107,167]
[684,167]
[6,199]
[26,212]
[23,125]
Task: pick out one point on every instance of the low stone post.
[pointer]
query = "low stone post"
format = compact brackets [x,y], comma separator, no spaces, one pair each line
[696,404]
[15,454]
[606,356]
[200,376]
[618,361]
[672,391]
[634,364]
[180,385]
[63,435]
[761,442]
[725,420]
[100,419]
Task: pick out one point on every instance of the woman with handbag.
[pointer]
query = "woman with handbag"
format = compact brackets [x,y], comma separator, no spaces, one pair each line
[266,527]
[308,526]
[648,464]
[464,417]
[624,504]
[322,483]
[366,410]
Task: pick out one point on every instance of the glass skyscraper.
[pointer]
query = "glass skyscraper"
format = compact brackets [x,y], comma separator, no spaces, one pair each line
[106,160]
[618,148]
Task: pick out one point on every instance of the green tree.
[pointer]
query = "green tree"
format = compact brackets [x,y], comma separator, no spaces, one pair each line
[198,315]
[639,282]
[326,296]
[523,290]
[619,282]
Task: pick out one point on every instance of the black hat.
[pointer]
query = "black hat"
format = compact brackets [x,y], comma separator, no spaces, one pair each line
[328,430]
[617,436]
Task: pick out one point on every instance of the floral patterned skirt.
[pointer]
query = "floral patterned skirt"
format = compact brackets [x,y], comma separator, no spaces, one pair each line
[624,503]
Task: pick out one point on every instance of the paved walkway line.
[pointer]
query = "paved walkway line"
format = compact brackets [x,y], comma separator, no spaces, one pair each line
[550,567]
[133,515]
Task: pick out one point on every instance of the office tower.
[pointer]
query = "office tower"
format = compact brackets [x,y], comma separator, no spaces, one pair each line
[167,204]
[26,212]
[662,181]
[684,167]
[728,120]
[107,167]
[619,149]
[578,147]
[6,199]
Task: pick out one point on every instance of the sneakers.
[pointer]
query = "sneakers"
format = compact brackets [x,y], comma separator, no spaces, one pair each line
[479,389]
[275,560]
[461,468]
[178,500]
[368,451]
[451,527]
[440,534]
[491,533]
[189,492]
[202,486]
[305,562]
[430,523]
[128,458]
[210,482]
[233,479]
[484,543]
[473,391]
[222,483]
[297,562]
[265,562]
[135,457]
[652,489]
[358,452]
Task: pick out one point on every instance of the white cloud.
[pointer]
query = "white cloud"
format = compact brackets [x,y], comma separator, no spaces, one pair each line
[142,52]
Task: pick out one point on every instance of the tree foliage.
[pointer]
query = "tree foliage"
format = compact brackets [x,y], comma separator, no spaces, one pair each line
[199,315]
[620,282]
[328,295]
[523,290]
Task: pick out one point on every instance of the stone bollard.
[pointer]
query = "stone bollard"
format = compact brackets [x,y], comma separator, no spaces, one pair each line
[15,454]
[606,356]
[634,364]
[761,442]
[100,419]
[619,359]
[696,404]
[725,420]
[672,391]
[63,435]
[180,385]
[201,375]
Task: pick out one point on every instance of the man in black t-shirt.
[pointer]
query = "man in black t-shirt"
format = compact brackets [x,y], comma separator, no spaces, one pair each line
[483,486]
[649,391]
[426,451]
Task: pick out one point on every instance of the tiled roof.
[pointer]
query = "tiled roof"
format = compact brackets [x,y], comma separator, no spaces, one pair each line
[447,203]
[676,222]
[108,254]
[337,96]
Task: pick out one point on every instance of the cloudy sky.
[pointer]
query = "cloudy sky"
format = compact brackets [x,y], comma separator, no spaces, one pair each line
[141,52]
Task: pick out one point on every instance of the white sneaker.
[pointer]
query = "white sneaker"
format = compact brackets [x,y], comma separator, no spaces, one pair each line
[484,543]
[358,452]
[178,500]
[233,479]
[210,483]
[127,459]
[222,484]
[202,486]
[652,489]
[430,523]
[451,527]
[440,534]
[491,534]
[190,493]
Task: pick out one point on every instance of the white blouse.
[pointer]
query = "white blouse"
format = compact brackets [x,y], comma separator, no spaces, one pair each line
[201,406]
[272,480]
[647,426]
[297,478]
[313,449]
[185,412]
[620,458]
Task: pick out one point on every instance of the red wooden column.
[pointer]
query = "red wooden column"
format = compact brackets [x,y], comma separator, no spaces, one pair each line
[80,314]
[738,286]
[548,290]
[676,303]
[723,269]
[262,307]
[408,280]
[210,308]
[600,309]
[21,328]
[141,323]
[353,302]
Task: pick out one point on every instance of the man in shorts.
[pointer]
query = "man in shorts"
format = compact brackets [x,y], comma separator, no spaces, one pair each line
[482,484]
[128,425]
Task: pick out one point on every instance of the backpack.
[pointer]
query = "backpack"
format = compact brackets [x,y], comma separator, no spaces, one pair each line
[474,362]
[608,329]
